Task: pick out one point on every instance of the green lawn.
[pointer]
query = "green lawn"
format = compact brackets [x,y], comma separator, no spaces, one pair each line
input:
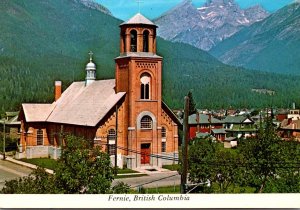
[161,190]
[42,162]
[173,167]
[129,176]
[176,189]
[126,171]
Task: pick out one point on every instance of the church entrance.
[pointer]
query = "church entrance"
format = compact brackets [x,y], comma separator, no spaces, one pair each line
[145,153]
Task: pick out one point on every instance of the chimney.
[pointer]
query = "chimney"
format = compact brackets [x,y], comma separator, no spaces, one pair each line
[57,90]
[294,105]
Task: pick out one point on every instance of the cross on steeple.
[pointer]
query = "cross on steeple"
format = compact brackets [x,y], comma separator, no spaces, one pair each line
[91,55]
[139,4]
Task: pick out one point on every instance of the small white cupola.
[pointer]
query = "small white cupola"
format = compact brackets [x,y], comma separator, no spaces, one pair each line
[90,71]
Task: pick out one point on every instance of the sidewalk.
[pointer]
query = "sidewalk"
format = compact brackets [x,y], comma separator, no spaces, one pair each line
[28,165]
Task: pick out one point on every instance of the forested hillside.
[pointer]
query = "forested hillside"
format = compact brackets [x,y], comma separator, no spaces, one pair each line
[46,40]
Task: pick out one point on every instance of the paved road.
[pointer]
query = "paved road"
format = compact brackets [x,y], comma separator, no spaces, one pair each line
[10,171]
[153,180]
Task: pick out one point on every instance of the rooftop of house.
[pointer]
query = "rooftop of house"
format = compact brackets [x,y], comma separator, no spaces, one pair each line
[11,119]
[203,119]
[237,119]
[289,124]
[219,131]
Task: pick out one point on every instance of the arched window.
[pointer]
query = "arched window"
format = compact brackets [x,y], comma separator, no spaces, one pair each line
[145,86]
[146,122]
[111,137]
[133,41]
[146,41]
[124,41]
[39,137]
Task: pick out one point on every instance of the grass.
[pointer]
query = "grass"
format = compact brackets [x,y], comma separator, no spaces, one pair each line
[126,171]
[173,167]
[129,176]
[42,162]
[161,190]
[232,189]
[176,190]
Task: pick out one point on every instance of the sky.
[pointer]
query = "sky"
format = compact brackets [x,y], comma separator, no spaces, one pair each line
[124,9]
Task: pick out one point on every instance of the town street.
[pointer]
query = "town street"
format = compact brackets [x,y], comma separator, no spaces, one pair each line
[10,171]
[154,179]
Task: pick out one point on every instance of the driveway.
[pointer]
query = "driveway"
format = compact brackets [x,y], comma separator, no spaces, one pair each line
[10,171]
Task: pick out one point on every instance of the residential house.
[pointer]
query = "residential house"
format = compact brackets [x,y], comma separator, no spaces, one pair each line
[12,124]
[239,126]
[289,129]
[203,123]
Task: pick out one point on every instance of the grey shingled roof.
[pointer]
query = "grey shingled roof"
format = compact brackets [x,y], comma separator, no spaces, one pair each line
[203,119]
[235,119]
[78,105]
[138,19]
[219,131]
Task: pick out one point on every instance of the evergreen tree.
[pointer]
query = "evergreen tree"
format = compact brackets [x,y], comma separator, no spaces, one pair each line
[192,104]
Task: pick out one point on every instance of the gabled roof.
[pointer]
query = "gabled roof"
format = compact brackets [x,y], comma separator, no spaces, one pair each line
[204,119]
[290,125]
[78,105]
[37,112]
[12,119]
[138,19]
[236,119]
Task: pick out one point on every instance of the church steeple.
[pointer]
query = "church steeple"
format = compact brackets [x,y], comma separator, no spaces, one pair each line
[90,71]
[138,34]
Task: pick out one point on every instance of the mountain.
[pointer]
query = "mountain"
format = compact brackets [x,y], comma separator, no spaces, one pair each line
[208,25]
[272,44]
[93,5]
[46,40]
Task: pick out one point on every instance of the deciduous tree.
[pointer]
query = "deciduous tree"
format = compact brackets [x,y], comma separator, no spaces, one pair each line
[80,169]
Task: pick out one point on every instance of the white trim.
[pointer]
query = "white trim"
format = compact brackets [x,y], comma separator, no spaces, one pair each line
[141,115]
[112,142]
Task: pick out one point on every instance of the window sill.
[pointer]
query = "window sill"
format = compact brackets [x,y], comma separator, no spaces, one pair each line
[146,129]
[146,100]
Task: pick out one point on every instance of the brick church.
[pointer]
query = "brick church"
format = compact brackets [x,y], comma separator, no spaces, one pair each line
[127,111]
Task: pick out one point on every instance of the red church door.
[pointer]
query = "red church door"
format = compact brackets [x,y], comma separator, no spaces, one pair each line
[145,153]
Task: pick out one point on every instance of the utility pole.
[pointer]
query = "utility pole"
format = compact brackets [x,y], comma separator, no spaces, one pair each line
[4,135]
[184,145]
[116,142]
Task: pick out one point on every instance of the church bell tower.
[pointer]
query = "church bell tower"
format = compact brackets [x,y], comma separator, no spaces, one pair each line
[139,73]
